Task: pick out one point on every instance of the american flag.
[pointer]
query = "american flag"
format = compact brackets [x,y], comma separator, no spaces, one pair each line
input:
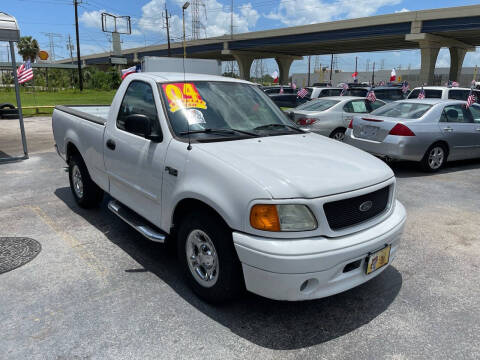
[371,96]
[302,93]
[471,99]
[25,72]
[421,94]
[344,89]
[281,90]
[381,83]
[405,87]
[294,85]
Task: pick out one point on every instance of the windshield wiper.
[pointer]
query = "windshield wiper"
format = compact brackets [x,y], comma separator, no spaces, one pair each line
[270,126]
[219,131]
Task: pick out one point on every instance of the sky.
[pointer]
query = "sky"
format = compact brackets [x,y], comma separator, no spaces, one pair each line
[41,17]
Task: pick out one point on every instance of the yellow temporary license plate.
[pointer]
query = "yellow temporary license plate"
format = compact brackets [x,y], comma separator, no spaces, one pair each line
[378,259]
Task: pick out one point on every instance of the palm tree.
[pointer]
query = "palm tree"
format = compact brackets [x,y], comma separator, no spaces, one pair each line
[28,48]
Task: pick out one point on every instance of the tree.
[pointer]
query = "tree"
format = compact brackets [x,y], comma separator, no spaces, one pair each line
[28,48]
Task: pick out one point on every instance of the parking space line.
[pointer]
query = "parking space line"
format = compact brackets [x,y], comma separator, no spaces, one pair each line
[91,260]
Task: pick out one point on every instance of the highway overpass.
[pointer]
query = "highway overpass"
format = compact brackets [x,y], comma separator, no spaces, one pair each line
[457,28]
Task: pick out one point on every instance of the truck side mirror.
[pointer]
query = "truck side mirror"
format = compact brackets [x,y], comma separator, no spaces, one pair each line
[138,124]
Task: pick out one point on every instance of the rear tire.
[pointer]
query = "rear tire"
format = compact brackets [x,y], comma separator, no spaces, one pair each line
[435,158]
[208,258]
[87,194]
[338,134]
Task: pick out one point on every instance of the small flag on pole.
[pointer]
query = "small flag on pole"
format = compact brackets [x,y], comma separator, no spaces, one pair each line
[281,90]
[275,77]
[371,95]
[131,70]
[405,87]
[393,75]
[421,94]
[25,72]
[354,75]
[471,99]
[302,93]
[344,89]
[294,85]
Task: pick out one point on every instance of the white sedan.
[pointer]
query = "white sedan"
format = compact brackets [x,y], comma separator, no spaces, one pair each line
[330,116]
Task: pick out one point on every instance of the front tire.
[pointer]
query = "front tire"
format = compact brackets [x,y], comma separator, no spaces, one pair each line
[87,194]
[208,258]
[435,158]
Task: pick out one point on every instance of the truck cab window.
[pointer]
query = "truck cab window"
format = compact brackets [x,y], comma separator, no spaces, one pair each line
[138,99]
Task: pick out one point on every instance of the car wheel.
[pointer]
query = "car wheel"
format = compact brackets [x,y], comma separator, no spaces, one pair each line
[434,158]
[87,194]
[338,134]
[208,257]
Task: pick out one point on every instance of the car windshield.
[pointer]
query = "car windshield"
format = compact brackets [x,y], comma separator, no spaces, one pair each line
[318,105]
[208,110]
[403,110]
[430,94]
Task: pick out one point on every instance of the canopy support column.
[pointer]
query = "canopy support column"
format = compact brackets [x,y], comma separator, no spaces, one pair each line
[19,103]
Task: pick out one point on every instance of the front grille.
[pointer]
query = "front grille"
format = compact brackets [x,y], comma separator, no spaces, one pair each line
[343,213]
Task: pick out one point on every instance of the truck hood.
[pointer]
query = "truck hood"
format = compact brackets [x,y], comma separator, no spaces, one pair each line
[301,165]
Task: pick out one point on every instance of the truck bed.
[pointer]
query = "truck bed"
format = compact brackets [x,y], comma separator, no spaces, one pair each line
[95,113]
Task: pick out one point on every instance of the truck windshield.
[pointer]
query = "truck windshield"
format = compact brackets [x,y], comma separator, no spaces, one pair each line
[193,107]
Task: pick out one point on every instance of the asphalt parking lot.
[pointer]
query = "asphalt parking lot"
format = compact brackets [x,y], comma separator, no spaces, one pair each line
[98,290]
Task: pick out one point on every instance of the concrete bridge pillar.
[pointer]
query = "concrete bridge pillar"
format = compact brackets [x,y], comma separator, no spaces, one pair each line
[429,56]
[244,65]
[456,61]
[284,64]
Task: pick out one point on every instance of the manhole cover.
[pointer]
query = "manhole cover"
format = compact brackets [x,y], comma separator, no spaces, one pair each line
[17,251]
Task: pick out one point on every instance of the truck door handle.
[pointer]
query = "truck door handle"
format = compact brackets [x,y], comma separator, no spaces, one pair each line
[448,129]
[111,144]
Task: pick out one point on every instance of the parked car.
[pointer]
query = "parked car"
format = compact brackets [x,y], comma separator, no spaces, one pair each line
[318,92]
[330,116]
[429,131]
[385,93]
[213,164]
[276,90]
[444,92]
[288,100]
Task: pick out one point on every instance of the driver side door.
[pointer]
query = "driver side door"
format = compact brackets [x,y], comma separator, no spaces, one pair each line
[134,164]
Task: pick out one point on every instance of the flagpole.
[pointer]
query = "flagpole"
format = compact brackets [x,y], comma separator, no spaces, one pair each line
[355,80]
[331,68]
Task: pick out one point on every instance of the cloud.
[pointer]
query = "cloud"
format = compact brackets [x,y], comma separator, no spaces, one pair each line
[402,10]
[215,19]
[293,13]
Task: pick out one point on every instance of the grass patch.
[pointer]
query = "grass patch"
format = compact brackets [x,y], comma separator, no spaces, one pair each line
[61,97]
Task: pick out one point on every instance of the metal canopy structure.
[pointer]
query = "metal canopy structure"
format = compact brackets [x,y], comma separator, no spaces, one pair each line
[10,32]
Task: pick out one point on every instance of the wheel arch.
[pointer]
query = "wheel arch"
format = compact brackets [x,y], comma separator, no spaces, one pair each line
[189,204]
[441,142]
[343,128]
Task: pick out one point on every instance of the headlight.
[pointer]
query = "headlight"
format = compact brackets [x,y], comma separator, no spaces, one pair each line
[269,217]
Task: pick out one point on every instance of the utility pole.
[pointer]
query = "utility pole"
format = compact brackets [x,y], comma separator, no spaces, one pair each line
[373,74]
[168,28]
[231,19]
[331,69]
[70,47]
[356,72]
[308,79]
[367,65]
[51,43]
[79,64]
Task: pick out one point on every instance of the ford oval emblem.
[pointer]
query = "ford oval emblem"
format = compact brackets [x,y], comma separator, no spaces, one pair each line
[365,206]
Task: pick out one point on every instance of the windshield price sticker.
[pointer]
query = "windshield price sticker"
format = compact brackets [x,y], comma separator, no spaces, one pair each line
[183,96]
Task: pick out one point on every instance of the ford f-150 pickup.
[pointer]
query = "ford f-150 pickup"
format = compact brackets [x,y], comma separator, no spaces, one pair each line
[250,200]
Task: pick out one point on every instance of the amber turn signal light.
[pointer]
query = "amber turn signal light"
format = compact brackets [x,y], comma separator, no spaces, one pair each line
[264,217]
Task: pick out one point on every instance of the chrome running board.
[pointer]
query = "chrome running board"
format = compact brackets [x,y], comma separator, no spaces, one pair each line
[136,221]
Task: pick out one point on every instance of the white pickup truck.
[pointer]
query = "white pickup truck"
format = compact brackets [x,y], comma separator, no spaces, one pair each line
[251,200]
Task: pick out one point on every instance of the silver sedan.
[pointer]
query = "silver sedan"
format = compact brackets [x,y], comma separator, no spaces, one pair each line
[330,116]
[429,131]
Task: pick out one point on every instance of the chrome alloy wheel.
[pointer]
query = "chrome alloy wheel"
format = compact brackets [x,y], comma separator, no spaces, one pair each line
[340,136]
[202,258]
[77,181]
[436,157]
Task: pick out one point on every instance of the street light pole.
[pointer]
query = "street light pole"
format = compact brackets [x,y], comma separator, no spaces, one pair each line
[184,7]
